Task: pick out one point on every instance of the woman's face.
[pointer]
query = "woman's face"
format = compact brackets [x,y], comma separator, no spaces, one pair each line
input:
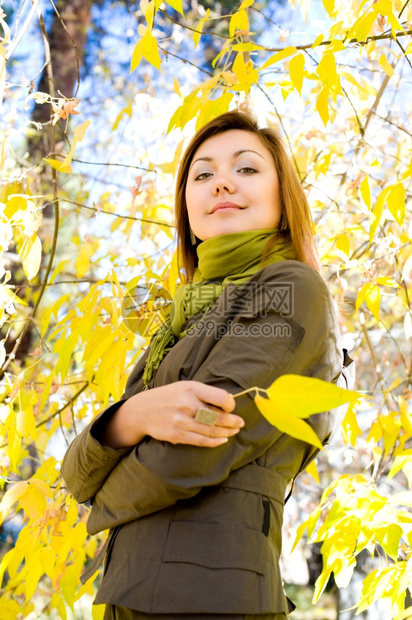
[232,186]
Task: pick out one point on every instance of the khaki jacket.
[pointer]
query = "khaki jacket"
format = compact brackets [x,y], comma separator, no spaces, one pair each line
[198,530]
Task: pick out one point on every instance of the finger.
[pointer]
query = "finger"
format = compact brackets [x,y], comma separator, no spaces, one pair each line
[214,396]
[198,439]
[214,431]
[230,420]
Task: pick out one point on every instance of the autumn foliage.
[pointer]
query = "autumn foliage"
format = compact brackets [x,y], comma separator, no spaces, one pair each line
[75,245]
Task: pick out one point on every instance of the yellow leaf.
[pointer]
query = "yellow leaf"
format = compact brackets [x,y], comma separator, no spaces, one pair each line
[10,497]
[30,255]
[246,3]
[350,427]
[199,28]
[387,281]
[288,424]
[288,51]
[98,612]
[388,537]
[296,70]
[60,166]
[33,501]
[212,108]
[336,46]
[171,166]
[238,21]
[239,67]
[396,201]
[137,55]
[365,192]
[363,25]
[57,603]
[322,164]
[177,5]
[342,245]
[318,40]
[301,396]
[322,105]
[26,424]
[246,47]
[407,268]
[329,6]
[127,110]
[150,49]
[377,212]
[176,87]
[313,471]
[385,64]
[371,294]
[7,296]
[82,262]
[326,69]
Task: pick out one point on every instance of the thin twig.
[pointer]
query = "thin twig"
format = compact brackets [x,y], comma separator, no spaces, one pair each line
[361,129]
[403,8]
[69,403]
[392,123]
[284,129]
[126,217]
[404,53]
[25,26]
[378,37]
[186,61]
[186,27]
[97,163]
[252,389]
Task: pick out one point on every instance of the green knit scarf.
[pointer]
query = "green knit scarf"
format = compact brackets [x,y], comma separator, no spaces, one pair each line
[233,257]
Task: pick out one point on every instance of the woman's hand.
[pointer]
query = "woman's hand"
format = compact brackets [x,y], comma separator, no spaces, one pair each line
[167,413]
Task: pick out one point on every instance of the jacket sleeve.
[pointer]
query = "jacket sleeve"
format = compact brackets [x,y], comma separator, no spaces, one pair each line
[264,345]
[87,463]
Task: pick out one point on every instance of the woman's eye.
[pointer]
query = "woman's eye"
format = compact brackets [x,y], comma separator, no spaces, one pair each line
[247,170]
[202,176]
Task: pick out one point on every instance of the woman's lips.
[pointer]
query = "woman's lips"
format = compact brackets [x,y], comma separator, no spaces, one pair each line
[225,206]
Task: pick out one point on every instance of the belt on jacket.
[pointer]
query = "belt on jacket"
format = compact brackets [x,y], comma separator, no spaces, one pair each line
[257,479]
[251,478]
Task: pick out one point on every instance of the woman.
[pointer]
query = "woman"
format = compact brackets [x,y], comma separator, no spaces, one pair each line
[195,508]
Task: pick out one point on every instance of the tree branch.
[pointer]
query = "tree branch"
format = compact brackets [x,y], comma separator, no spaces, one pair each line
[18,342]
[73,43]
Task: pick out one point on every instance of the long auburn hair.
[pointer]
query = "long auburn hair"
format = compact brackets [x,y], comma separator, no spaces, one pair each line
[296,222]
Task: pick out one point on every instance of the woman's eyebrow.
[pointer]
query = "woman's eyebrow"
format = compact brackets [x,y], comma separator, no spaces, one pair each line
[237,154]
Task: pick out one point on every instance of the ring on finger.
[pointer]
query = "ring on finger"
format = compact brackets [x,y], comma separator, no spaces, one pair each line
[206,416]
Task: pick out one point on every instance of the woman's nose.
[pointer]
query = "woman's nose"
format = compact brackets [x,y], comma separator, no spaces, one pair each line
[222,183]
